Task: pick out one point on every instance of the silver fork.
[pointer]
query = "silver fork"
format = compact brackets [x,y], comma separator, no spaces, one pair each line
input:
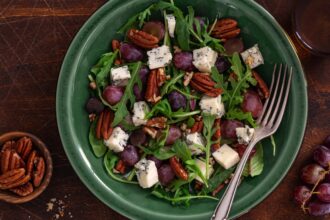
[268,123]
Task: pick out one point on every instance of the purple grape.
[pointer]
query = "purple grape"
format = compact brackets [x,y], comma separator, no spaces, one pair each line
[301,194]
[144,72]
[130,52]
[129,155]
[318,208]
[138,137]
[158,162]
[324,192]
[155,28]
[252,103]
[222,64]
[228,128]
[311,173]
[94,105]
[326,142]
[139,94]
[322,156]
[165,174]
[192,104]
[113,94]
[177,100]
[240,148]
[183,61]
[174,133]
[234,45]
[327,178]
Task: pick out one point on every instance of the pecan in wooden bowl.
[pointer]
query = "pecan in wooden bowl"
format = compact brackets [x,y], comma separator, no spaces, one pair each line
[25,167]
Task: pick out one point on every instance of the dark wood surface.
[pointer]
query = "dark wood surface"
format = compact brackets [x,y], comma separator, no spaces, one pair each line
[34,37]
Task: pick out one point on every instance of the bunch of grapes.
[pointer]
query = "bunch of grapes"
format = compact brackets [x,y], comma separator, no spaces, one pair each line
[314,196]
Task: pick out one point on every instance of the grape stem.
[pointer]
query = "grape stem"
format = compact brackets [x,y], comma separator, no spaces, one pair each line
[303,207]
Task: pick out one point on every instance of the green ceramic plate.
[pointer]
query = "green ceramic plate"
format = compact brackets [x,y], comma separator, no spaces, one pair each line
[94,39]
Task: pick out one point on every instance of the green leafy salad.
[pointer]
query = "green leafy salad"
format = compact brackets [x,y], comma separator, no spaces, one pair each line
[173,104]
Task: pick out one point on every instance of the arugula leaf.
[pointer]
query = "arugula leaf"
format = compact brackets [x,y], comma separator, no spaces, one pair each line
[238,114]
[101,72]
[98,146]
[255,165]
[182,150]
[208,131]
[109,161]
[138,19]
[161,153]
[219,176]
[121,107]
[182,34]
[168,84]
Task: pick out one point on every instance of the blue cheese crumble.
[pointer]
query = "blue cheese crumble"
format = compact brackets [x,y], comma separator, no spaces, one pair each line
[244,134]
[140,110]
[120,75]
[212,105]
[117,141]
[252,57]
[146,172]
[170,19]
[204,59]
[159,57]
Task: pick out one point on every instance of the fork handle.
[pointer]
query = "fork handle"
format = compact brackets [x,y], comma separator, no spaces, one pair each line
[223,208]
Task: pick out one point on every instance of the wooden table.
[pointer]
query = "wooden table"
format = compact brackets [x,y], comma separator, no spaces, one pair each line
[34,37]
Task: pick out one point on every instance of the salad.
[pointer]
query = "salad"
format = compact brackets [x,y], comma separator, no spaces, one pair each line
[173,105]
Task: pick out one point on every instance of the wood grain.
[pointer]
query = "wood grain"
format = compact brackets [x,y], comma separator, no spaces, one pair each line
[34,37]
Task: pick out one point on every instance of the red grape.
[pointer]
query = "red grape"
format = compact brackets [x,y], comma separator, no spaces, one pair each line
[228,128]
[129,155]
[183,61]
[222,64]
[252,103]
[174,133]
[155,28]
[318,208]
[311,173]
[322,155]
[301,194]
[113,94]
[165,174]
[94,105]
[324,192]
[138,137]
[177,100]
[240,148]
[326,141]
[234,45]
[130,52]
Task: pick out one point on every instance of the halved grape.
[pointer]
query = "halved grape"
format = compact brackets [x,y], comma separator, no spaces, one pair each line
[155,28]
[165,174]
[129,155]
[234,45]
[318,208]
[183,61]
[130,52]
[174,133]
[138,137]
[222,64]
[324,192]
[228,128]
[322,155]
[311,173]
[94,105]
[177,100]
[252,103]
[301,194]
[113,94]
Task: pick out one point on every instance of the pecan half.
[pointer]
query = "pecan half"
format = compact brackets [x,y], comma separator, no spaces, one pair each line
[30,162]
[142,39]
[115,44]
[198,125]
[10,160]
[152,92]
[23,190]
[9,145]
[161,76]
[187,77]
[178,169]
[120,167]
[13,178]
[261,84]
[103,126]
[218,189]
[203,83]
[24,147]
[157,122]
[225,29]
[39,172]
[216,136]
[150,131]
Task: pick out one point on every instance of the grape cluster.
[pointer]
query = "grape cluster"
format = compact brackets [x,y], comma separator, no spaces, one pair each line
[314,197]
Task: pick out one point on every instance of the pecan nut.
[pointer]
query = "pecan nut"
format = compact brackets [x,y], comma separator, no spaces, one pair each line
[198,125]
[261,84]
[178,169]
[217,135]
[10,160]
[31,161]
[150,131]
[203,83]
[115,44]
[24,147]
[157,122]
[218,189]
[142,39]
[23,190]
[9,145]
[152,92]
[226,29]
[13,178]
[103,126]
[120,167]
[39,171]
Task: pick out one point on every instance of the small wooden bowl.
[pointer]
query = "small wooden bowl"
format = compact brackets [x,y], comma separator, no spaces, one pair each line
[42,149]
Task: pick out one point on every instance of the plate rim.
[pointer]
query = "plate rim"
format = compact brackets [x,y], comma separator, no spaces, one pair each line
[60,123]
